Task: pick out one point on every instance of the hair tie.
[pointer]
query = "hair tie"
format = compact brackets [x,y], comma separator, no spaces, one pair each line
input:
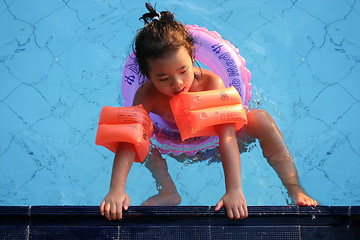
[157,17]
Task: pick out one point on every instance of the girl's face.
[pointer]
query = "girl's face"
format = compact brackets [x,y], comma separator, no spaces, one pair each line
[173,73]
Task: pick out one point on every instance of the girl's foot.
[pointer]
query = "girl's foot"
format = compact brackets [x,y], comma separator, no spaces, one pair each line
[300,198]
[163,199]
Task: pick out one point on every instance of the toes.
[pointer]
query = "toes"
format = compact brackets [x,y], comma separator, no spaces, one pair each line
[306,202]
[301,203]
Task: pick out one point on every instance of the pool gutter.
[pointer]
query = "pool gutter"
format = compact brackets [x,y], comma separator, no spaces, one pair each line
[265,222]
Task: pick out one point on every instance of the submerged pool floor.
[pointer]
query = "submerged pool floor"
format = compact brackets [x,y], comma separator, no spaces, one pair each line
[61,61]
[80,222]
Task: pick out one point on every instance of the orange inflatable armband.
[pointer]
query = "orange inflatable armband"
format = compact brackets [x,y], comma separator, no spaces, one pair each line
[196,113]
[125,124]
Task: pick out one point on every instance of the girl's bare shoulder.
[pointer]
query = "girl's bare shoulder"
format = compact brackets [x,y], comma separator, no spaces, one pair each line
[208,79]
[146,95]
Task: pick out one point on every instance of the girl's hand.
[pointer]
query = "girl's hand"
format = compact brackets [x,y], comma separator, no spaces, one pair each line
[235,204]
[113,203]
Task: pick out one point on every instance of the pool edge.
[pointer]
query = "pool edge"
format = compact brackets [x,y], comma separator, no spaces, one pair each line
[198,222]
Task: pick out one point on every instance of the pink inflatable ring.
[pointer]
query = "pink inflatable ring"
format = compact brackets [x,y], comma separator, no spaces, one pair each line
[222,58]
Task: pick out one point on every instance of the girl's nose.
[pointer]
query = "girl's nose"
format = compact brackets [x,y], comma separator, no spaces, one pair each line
[177,82]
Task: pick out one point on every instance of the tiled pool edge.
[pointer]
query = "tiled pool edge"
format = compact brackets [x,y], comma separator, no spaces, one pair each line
[269,222]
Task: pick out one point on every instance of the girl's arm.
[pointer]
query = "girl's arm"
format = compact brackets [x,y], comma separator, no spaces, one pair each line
[117,199]
[234,199]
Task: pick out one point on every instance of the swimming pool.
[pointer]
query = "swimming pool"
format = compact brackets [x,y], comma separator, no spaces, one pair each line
[60,63]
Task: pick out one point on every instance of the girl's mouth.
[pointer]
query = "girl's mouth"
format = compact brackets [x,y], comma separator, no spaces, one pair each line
[176,93]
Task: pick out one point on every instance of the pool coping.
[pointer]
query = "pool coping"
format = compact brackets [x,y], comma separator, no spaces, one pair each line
[297,222]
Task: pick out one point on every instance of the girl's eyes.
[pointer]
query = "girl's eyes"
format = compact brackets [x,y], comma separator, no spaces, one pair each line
[164,79]
[184,71]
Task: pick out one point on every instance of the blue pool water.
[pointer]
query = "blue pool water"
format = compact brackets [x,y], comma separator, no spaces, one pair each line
[60,63]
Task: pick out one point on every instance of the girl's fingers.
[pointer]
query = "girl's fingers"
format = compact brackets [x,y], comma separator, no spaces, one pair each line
[126,203]
[107,211]
[236,213]
[219,205]
[113,211]
[102,211]
[119,211]
[230,214]
[243,212]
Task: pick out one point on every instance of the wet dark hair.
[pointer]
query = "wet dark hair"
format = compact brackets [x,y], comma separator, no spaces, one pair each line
[161,34]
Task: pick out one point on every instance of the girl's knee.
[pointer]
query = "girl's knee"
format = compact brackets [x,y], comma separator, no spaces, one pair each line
[259,121]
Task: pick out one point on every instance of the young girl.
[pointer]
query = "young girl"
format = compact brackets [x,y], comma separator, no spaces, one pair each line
[164,51]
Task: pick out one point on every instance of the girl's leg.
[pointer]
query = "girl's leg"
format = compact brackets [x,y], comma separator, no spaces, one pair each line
[168,195]
[262,126]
